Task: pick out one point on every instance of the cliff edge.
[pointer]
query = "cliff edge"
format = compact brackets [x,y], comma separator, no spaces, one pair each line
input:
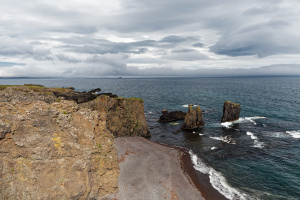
[58,149]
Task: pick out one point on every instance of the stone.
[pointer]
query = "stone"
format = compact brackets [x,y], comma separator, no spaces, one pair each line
[171,116]
[231,111]
[193,118]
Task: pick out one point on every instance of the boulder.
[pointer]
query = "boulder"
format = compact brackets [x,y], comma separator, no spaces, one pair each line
[231,111]
[193,118]
[171,116]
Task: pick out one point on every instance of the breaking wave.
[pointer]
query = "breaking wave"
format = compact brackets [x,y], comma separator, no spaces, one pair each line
[217,180]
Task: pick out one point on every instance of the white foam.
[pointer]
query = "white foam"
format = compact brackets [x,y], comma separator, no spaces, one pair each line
[226,139]
[187,105]
[227,124]
[213,148]
[242,120]
[201,134]
[216,138]
[257,143]
[251,119]
[253,137]
[217,180]
[294,134]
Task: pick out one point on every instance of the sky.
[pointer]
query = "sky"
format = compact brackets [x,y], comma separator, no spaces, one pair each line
[95,38]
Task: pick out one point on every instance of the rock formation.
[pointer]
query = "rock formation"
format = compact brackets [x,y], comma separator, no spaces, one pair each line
[231,111]
[193,118]
[57,149]
[124,117]
[171,116]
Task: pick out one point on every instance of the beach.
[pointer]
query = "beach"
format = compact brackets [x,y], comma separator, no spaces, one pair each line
[153,171]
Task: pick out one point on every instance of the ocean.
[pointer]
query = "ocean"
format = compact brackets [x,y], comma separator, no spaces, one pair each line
[264,162]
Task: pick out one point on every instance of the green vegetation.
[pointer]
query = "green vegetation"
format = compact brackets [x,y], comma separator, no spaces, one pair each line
[38,88]
[58,100]
[64,112]
[131,99]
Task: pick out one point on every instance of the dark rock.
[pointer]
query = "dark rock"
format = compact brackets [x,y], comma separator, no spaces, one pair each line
[111,95]
[231,111]
[95,90]
[193,118]
[78,97]
[171,116]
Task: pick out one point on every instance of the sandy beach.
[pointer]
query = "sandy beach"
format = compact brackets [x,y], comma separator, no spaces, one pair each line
[153,171]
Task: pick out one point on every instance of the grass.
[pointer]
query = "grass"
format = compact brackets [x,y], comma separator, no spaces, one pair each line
[38,88]
[131,99]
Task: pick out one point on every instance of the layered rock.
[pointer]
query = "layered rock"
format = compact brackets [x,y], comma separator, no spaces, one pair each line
[58,149]
[171,116]
[193,118]
[231,111]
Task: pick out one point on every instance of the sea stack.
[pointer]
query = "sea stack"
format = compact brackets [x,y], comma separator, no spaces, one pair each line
[231,111]
[193,118]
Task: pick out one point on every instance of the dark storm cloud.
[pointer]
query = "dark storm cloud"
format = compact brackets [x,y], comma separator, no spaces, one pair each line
[261,39]
[198,44]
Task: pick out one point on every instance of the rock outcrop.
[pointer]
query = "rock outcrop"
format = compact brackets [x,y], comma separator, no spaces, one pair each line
[171,116]
[231,111]
[193,118]
[57,149]
[125,117]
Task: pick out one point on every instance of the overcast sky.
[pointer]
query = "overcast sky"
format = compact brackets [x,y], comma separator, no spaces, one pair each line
[92,38]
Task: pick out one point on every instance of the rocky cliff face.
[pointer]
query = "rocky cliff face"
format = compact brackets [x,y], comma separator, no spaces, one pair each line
[58,149]
[125,117]
[193,118]
[231,111]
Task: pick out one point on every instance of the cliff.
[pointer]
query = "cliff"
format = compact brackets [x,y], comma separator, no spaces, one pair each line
[58,149]
[231,111]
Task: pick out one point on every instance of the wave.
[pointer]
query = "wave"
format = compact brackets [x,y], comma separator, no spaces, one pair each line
[294,134]
[227,124]
[217,180]
[242,120]
[257,143]
[226,139]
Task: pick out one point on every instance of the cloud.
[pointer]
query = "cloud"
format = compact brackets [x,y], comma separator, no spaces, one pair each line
[261,39]
[94,38]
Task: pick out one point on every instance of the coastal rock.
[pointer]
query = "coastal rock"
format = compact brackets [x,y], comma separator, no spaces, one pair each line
[171,116]
[231,111]
[58,149]
[193,118]
[124,116]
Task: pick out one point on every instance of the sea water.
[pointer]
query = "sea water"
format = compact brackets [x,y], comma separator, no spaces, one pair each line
[263,162]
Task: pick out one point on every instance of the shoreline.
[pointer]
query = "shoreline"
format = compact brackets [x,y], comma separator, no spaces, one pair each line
[150,170]
[200,180]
